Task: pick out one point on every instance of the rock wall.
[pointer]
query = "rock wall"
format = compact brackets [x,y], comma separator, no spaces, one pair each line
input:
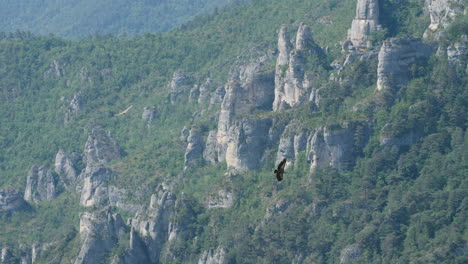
[194,151]
[41,185]
[99,234]
[365,22]
[216,256]
[442,13]
[180,84]
[65,167]
[11,201]
[396,57]
[293,85]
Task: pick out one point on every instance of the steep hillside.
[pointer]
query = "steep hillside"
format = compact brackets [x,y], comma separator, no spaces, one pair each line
[85,18]
[160,148]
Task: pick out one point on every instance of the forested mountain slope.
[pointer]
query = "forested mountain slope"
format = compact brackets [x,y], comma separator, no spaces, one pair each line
[84,18]
[160,148]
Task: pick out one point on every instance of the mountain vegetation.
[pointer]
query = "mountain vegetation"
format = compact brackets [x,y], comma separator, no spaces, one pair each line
[160,147]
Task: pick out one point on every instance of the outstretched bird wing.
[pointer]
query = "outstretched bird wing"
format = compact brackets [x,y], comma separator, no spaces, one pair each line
[279,172]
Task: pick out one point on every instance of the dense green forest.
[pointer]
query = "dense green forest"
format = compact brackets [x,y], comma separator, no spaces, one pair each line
[84,18]
[390,203]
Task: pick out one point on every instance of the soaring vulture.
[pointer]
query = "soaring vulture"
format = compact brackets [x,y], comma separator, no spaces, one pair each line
[279,172]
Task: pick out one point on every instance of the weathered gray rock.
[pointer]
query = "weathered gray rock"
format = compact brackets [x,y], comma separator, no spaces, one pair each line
[73,107]
[153,226]
[255,93]
[387,137]
[293,85]
[11,201]
[222,199]
[194,93]
[210,153]
[194,151]
[396,56]
[7,257]
[350,253]
[217,96]
[99,234]
[100,149]
[56,69]
[336,146]
[442,13]
[180,84]
[95,190]
[204,91]
[217,256]
[41,185]
[365,22]
[149,114]
[457,53]
[293,141]
[247,140]
[65,167]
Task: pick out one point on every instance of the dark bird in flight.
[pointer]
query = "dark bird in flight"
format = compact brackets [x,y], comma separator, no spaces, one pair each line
[279,172]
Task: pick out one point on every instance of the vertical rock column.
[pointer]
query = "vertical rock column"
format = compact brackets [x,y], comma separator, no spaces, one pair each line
[365,22]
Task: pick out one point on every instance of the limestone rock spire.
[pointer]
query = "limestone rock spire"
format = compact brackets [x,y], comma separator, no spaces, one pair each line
[365,22]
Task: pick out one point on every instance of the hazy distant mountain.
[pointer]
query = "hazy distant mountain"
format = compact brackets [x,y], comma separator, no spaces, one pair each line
[75,18]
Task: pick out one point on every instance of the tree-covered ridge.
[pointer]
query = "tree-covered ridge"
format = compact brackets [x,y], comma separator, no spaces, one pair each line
[73,19]
[400,198]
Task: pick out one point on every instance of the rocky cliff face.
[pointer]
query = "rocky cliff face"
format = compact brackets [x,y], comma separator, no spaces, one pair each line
[350,253]
[180,84]
[100,149]
[247,142]
[442,13]
[216,256]
[11,201]
[149,114]
[210,153]
[41,185]
[65,167]
[194,151]
[457,53]
[365,22]
[396,57]
[335,147]
[293,85]
[221,199]
[99,234]
[293,141]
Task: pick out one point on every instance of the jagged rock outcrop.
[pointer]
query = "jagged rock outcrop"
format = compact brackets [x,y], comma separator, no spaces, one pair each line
[11,201]
[217,96]
[350,253]
[180,84]
[194,93]
[293,141]
[217,256]
[41,185]
[387,137]
[365,22]
[396,56]
[442,13]
[56,69]
[256,92]
[149,114]
[221,199]
[194,151]
[100,149]
[99,234]
[210,154]
[6,256]
[153,226]
[247,140]
[204,91]
[457,53]
[293,85]
[65,167]
[73,107]
[337,146]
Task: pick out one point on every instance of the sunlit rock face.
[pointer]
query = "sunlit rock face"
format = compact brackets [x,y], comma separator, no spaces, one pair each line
[194,151]
[442,13]
[65,167]
[293,84]
[41,185]
[365,22]
[211,256]
[396,57]
[99,234]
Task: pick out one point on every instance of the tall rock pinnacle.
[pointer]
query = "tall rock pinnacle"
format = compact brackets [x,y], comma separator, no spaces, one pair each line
[365,22]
